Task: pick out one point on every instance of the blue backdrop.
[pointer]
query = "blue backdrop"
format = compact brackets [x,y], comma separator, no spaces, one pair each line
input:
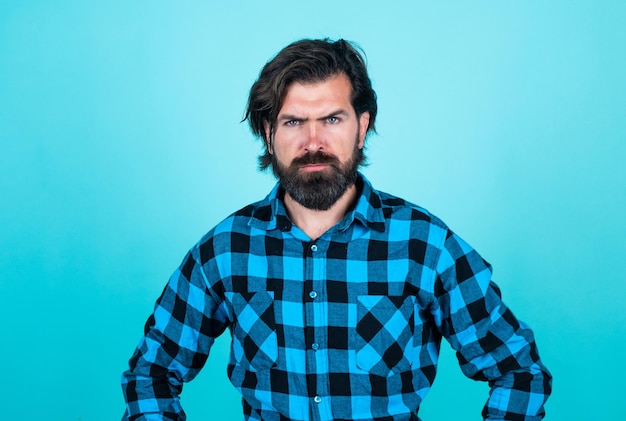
[121,144]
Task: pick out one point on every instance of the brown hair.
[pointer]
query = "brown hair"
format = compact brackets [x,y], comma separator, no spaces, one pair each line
[307,61]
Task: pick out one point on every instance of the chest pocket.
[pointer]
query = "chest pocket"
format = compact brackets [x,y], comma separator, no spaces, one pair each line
[384,340]
[255,345]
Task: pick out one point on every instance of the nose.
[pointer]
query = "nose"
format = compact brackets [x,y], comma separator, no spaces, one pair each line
[313,141]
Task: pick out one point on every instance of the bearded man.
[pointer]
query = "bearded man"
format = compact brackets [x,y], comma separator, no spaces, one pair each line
[336,295]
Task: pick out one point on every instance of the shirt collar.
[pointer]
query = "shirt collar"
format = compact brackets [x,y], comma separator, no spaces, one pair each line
[270,213]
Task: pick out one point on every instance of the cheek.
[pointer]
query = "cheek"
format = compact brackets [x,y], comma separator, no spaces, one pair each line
[281,150]
[286,142]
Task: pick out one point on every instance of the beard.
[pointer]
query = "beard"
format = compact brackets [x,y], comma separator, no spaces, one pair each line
[318,190]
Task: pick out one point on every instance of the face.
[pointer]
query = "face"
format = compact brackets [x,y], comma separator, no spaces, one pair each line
[317,142]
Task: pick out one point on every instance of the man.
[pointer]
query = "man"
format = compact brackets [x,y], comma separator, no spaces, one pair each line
[336,295]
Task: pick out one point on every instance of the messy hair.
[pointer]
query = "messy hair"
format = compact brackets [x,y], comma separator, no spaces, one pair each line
[307,61]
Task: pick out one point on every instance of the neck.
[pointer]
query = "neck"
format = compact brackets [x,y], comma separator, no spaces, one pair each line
[314,223]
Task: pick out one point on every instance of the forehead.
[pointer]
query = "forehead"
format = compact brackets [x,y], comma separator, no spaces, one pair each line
[334,92]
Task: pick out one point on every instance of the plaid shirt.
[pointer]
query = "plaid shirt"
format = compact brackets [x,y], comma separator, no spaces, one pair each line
[344,327]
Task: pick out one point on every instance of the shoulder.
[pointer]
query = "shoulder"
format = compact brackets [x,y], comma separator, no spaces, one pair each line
[401,220]
[232,229]
[397,208]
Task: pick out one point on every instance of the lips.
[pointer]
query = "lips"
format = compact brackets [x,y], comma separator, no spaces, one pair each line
[314,167]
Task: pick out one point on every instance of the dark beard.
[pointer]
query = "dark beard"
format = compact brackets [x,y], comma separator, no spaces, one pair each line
[321,189]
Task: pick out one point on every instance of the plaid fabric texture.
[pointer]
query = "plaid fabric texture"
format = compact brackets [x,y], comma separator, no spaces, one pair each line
[344,327]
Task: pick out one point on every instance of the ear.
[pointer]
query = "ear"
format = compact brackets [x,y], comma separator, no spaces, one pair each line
[268,137]
[364,121]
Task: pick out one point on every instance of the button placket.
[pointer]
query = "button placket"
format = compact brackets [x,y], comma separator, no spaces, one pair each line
[316,315]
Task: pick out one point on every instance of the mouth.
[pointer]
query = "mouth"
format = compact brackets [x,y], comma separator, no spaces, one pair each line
[314,167]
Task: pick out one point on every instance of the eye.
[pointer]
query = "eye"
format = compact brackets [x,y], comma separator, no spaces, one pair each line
[292,123]
[332,120]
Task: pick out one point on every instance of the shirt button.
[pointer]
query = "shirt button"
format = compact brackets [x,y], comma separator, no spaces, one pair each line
[313,247]
[315,346]
[312,294]
[317,399]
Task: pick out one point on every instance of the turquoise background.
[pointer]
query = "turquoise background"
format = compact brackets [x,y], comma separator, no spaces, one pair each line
[121,145]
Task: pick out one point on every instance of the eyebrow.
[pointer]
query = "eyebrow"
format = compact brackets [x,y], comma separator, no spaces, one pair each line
[289,117]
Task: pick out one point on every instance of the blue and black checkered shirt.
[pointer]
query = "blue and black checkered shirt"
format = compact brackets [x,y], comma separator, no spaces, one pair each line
[344,327]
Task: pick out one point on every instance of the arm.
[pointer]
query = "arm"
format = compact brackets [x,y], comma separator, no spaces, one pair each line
[178,336]
[491,344]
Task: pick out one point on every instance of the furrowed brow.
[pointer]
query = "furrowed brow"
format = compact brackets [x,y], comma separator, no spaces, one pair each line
[289,117]
[337,113]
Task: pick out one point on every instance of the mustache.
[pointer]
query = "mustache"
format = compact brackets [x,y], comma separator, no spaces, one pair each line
[315,158]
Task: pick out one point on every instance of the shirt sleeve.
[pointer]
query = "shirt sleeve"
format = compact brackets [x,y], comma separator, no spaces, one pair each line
[177,338]
[491,344]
